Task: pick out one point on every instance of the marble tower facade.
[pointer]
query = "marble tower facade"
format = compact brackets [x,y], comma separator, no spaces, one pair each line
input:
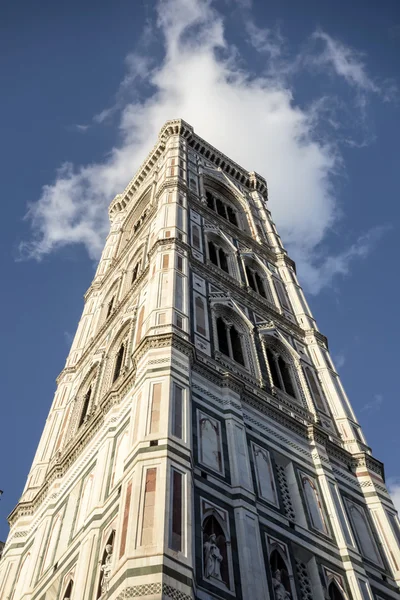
[200,443]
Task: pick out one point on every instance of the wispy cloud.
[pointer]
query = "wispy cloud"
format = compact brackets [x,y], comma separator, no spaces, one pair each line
[252,117]
[374,405]
[339,360]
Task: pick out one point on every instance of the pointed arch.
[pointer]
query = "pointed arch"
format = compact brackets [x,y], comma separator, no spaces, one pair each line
[215,562]
[232,336]
[334,591]
[226,201]
[68,590]
[283,364]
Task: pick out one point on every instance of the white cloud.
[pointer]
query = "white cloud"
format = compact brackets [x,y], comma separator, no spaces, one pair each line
[345,61]
[393,485]
[339,360]
[252,118]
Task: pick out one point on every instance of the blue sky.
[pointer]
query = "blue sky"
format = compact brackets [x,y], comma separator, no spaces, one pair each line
[307,94]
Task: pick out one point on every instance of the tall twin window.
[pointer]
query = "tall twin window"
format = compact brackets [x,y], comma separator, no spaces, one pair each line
[255,281]
[280,373]
[230,341]
[218,256]
[221,208]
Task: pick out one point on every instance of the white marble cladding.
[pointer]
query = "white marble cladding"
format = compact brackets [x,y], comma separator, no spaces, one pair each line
[200,442]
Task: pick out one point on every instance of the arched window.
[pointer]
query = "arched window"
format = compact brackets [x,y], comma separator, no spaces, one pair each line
[68,591]
[215,552]
[105,568]
[200,315]
[280,576]
[255,281]
[135,272]
[118,362]
[314,505]
[229,341]
[334,592]
[110,307]
[218,256]
[221,207]
[86,402]
[281,373]
[363,532]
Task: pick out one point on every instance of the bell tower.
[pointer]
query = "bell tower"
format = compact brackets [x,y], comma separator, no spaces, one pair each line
[200,443]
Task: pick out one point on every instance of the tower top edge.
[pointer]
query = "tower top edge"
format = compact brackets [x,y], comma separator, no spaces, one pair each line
[250,179]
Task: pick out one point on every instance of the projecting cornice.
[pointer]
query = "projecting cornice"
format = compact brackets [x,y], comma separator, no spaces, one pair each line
[249,179]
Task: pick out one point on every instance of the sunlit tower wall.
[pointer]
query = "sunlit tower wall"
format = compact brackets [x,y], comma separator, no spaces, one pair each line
[200,443]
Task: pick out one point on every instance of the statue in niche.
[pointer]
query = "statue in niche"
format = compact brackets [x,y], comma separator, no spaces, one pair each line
[280,591]
[106,569]
[212,558]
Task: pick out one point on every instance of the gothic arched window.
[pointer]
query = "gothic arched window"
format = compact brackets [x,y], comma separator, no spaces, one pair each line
[105,568]
[281,373]
[334,592]
[230,341]
[222,207]
[110,307]
[218,256]
[255,281]
[215,552]
[118,362]
[135,273]
[85,407]
[363,532]
[68,591]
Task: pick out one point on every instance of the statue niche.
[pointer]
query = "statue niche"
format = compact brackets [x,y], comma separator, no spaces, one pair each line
[280,577]
[216,568]
[105,568]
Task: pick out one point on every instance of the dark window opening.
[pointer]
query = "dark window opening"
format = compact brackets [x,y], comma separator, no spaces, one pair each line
[334,592]
[232,216]
[222,336]
[118,362]
[260,284]
[286,377]
[212,251]
[210,200]
[134,273]
[273,368]
[250,278]
[68,591]
[85,406]
[237,351]
[176,525]
[223,261]
[110,307]
[220,208]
